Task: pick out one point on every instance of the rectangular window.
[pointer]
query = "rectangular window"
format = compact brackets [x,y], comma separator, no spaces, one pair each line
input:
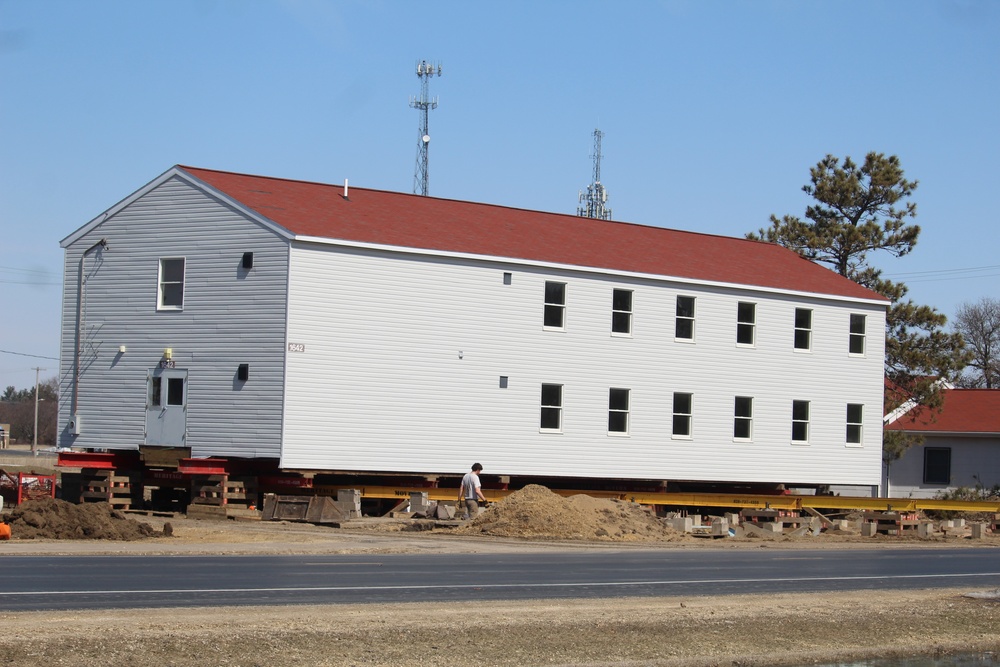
[175,391]
[803,328]
[746,323]
[857,343]
[855,420]
[621,311]
[551,407]
[743,420]
[618,411]
[682,414]
[800,421]
[937,465]
[155,392]
[555,305]
[170,295]
[684,327]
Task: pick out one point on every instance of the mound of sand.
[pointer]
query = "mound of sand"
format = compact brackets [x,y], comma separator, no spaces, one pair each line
[537,512]
[48,518]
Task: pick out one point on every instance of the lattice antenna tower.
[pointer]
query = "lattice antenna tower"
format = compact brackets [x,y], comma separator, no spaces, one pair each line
[424,104]
[593,202]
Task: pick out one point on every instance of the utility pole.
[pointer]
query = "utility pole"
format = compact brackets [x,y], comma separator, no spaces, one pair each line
[34,435]
[424,104]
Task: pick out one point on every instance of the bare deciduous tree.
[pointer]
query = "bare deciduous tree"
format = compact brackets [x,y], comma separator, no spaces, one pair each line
[979,324]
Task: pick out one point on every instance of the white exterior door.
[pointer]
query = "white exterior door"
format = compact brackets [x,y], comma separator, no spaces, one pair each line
[166,406]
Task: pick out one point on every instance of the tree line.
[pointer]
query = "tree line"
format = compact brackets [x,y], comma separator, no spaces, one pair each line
[17,408]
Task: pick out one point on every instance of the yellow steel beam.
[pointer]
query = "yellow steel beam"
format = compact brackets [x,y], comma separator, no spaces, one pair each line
[742,500]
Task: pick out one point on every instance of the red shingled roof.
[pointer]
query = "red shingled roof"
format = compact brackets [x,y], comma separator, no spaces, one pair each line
[413,221]
[963,411]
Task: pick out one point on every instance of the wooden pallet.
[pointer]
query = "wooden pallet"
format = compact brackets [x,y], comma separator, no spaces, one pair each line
[107,486]
[222,490]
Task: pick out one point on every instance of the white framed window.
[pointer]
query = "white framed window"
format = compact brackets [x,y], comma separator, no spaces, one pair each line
[857,341]
[618,408]
[684,326]
[552,402]
[803,329]
[621,312]
[170,284]
[682,414]
[555,305]
[855,423]
[800,421]
[743,418]
[746,323]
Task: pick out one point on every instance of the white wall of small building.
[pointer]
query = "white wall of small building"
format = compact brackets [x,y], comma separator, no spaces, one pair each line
[401,357]
[975,461]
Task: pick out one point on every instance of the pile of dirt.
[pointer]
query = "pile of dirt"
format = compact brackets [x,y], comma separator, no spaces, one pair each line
[537,512]
[48,518]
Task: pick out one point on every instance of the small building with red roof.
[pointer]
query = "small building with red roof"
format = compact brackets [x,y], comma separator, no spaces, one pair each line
[960,448]
[333,329]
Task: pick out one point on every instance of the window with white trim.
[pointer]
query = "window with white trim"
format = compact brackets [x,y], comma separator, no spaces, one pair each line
[857,341]
[684,327]
[803,329]
[682,414]
[855,422]
[170,290]
[551,407]
[800,421]
[746,323]
[621,311]
[743,418]
[555,305]
[618,407]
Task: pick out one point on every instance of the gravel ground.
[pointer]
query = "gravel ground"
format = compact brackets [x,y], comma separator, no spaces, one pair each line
[671,631]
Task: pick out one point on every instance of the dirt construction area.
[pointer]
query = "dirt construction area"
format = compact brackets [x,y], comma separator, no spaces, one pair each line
[742,630]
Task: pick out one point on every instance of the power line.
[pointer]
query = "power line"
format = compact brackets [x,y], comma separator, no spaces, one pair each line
[24,354]
[940,275]
[940,271]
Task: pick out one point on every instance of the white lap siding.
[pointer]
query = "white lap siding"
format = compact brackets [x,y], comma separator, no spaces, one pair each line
[400,358]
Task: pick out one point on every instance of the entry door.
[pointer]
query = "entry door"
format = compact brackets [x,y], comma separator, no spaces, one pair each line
[166,406]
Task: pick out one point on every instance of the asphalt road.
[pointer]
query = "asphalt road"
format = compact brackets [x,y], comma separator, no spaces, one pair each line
[105,582]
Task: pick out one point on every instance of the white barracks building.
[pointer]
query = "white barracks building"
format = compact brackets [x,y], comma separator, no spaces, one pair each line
[320,329]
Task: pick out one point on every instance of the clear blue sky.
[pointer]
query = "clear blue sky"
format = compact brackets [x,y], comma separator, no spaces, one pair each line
[713,113]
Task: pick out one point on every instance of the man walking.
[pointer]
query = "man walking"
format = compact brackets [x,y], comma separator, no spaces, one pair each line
[471,492]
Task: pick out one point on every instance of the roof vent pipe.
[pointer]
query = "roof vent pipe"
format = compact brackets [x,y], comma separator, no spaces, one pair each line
[345,188]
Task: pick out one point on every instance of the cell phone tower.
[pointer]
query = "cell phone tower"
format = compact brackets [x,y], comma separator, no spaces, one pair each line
[424,104]
[593,202]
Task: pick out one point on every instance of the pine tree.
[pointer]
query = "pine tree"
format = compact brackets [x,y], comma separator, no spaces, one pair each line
[859,210]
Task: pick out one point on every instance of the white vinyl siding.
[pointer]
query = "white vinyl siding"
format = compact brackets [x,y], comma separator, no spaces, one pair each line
[382,368]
